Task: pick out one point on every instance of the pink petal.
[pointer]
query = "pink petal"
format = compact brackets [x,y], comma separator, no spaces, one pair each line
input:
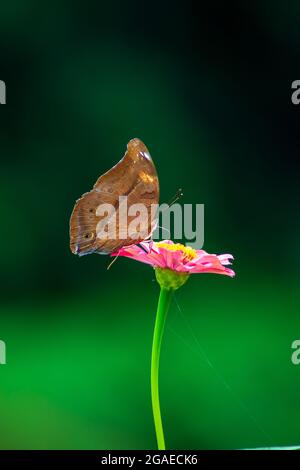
[172,259]
[202,269]
[225,259]
[138,254]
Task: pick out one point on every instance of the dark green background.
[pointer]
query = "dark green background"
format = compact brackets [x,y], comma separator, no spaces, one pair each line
[209,91]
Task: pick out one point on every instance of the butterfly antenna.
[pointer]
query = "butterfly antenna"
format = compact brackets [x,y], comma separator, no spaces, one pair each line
[177,195]
[165,229]
[112,262]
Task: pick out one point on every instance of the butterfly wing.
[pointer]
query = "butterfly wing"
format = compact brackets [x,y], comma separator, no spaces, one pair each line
[134,177]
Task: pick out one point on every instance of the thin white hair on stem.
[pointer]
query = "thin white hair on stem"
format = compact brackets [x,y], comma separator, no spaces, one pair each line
[219,376]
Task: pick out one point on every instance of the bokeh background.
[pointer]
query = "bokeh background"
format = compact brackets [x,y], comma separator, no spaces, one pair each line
[208,88]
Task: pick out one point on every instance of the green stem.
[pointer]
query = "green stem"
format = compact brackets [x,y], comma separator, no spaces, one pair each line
[162,310]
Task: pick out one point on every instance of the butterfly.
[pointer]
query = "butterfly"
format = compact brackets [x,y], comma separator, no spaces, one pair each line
[100,219]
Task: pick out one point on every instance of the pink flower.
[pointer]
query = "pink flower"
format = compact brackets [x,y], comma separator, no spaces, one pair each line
[177,257]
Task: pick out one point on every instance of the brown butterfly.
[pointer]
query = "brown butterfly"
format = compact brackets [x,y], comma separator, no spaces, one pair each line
[96,225]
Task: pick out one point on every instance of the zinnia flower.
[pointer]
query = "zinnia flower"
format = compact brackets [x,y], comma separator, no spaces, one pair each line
[174,262]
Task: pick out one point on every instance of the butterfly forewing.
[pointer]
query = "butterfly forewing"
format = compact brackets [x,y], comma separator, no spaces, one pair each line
[131,181]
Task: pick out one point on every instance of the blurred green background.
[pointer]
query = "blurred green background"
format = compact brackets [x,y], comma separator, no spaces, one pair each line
[208,89]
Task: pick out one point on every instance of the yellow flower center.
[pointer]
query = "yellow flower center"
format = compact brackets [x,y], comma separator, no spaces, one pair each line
[189,253]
